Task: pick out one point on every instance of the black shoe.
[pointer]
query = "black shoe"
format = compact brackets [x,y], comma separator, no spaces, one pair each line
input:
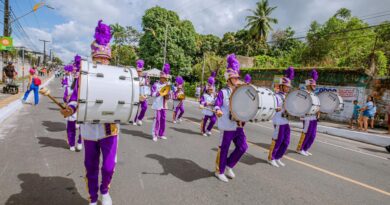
[388,148]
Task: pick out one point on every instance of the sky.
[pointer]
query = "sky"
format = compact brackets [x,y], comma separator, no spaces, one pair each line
[70,25]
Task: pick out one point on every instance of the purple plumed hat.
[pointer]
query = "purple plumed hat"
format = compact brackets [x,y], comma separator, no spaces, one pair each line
[101,45]
[77,63]
[166,70]
[68,68]
[140,65]
[313,79]
[288,77]
[179,81]
[233,67]
[210,83]
[247,79]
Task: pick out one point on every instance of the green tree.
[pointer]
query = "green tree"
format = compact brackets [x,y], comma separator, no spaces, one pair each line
[259,23]
[124,55]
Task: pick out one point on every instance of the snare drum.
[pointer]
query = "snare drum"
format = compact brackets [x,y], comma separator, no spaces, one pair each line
[330,102]
[300,103]
[249,102]
[107,94]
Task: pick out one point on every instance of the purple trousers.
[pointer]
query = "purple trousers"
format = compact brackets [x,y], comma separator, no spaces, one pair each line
[107,147]
[140,115]
[71,131]
[179,111]
[159,123]
[307,139]
[239,139]
[206,118]
[279,146]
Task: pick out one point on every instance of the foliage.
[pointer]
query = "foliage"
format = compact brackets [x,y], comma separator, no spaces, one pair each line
[241,43]
[124,55]
[381,63]
[259,23]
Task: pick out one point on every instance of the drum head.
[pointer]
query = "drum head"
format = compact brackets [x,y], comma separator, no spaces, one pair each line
[244,103]
[298,103]
[330,102]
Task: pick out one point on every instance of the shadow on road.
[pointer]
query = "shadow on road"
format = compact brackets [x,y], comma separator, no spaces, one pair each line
[374,150]
[51,142]
[52,108]
[39,190]
[183,169]
[185,131]
[136,133]
[54,126]
[247,158]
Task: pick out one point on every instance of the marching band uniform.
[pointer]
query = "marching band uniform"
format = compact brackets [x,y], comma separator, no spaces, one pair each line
[281,136]
[143,104]
[71,120]
[230,130]
[309,131]
[207,100]
[160,105]
[67,79]
[178,105]
[98,138]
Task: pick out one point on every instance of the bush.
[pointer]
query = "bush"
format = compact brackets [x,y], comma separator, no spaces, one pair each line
[189,89]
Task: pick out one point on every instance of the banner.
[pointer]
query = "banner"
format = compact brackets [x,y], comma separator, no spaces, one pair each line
[6,43]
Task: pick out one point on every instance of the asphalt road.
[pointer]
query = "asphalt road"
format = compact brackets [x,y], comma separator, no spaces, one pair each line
[37,167]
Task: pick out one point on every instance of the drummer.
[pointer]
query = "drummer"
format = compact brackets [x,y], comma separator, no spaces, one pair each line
[310,121]
[178,104]
[99,139]
[143,97]
[281,136]
[160,104]
[228,127]
[207,100]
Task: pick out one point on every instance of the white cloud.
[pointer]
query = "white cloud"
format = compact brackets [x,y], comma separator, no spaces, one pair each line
[208,16]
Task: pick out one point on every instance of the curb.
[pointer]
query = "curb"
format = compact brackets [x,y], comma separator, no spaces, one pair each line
[16,102]
[350,134]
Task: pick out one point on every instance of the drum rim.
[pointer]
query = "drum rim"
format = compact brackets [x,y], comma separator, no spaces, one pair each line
[307,110]
[339,99]
[234,117]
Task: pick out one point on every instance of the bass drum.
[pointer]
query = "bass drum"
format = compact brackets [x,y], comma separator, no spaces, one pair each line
[300,103]
[248,103]
[107,94]
[330,102]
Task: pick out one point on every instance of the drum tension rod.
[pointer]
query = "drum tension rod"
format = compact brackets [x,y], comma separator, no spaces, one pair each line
[82,101]
[121,102]
[99,101]
[95,121]
[100,75]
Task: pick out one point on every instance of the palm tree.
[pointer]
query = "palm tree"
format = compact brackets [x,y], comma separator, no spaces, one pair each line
[259,23]
[118,32]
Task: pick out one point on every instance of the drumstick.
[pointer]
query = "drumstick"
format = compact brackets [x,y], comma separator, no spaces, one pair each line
[206,108]
[46,92]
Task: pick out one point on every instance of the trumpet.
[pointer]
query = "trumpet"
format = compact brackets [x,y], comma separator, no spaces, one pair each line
[165,90]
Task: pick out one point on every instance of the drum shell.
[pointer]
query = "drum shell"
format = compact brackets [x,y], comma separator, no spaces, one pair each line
[330,102]
[300,103]
[107,94]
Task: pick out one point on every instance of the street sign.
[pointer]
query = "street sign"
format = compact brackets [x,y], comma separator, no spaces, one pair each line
[6,43]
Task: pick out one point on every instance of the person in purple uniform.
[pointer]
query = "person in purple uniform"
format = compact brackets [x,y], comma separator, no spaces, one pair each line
[143,95]
[231,131]
[178,104]
[160,104]
[207,100]
[310,121]
[100,138]
[281,136]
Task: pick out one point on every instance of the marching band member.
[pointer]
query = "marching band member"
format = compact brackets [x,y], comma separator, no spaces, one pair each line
[71,120]
[207,100]
[281,136]
[178,104]
[143,99]
[310,121]
[100,138]
[228,127]
[160,104]
[67,79]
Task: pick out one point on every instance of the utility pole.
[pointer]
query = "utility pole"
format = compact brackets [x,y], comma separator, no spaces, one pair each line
[204,64]
[165,44]
[44,51]
[7,29]
[23,68]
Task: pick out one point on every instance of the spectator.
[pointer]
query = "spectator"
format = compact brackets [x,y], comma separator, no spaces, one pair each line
[368,112]
[372,118]
[9,72]
[355,114]
[33,85]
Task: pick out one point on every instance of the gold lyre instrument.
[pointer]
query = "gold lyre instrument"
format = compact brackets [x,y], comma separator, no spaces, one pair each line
[67,110]
[142,98]
[165,90]
[181,96]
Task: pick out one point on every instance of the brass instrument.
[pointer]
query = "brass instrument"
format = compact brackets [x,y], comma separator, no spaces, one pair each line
[181,96]
[66,111]
[165,90]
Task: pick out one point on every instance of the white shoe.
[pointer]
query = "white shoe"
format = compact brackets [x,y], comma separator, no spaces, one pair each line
[280,162]
[163,137]
[139,123]
[79,147]
[273,163]
[95,203]
[308,153]
[221,177]
[155,138]
[72,149]
[174,122]
[205,134]
[303,153]
[134,123]
[180,120]
[230,173]
[106,199]
[209,133]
